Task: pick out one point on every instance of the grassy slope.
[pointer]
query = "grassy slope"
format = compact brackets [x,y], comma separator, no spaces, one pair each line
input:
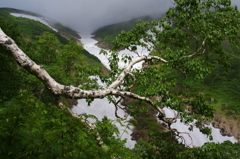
[29,28]
[222,86]
[64,29]
[107,34]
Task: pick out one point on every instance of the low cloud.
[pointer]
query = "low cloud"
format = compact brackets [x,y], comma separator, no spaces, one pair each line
[89,15]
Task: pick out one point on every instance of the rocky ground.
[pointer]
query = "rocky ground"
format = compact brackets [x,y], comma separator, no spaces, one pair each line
[228,126]
[102,44]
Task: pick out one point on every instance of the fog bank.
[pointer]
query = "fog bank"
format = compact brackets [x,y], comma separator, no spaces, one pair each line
[89,15]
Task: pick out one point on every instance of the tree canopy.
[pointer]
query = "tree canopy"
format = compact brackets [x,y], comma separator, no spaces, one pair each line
[186,41]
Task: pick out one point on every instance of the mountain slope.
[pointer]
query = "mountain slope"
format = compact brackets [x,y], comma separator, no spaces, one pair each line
[28,27]
[48,48]
[107,34]
[31,28]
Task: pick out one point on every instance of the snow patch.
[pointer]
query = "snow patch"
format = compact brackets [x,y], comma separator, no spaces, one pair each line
[40,19]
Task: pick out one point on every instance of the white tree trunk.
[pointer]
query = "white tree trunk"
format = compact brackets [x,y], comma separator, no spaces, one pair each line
[75,92]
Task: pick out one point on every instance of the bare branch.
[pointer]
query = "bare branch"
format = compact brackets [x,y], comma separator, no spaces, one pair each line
[198,48]
[178,134]
[124,109]
[41,93]
[71,91]
[198,51]
[193,36]
[126,71]
[134,80]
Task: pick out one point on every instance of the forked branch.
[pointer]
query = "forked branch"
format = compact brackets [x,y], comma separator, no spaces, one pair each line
[75,92]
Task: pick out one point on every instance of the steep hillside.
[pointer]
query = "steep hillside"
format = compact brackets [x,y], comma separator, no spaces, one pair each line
[46,47]
[25,27]
[35,118]
[221,89]
[31,28]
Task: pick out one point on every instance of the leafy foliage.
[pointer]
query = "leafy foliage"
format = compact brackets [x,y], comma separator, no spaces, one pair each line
[9,74]
[30,129]
[33,128]
[217,84]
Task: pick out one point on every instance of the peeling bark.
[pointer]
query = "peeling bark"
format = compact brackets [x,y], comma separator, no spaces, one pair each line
[75,92]
[70,91]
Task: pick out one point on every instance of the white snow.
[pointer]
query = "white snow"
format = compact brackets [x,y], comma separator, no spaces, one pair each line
[40,19]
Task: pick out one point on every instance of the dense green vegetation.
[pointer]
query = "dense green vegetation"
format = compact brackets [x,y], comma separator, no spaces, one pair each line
[165,147]
[32,125]
[48,48]
[222,83]
[58,26]
[64,29]
[190,31]
[30,129]
[221,86]
[29,28]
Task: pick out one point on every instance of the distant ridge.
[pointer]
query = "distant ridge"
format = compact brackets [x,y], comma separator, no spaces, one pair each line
[107,34]
[63,30]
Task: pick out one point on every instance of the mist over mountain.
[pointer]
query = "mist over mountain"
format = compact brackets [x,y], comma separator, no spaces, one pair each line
[87,16]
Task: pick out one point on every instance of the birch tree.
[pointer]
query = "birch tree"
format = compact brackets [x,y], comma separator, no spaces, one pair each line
[191,33]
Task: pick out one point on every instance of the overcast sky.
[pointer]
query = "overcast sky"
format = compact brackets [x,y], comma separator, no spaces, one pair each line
[89,15]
